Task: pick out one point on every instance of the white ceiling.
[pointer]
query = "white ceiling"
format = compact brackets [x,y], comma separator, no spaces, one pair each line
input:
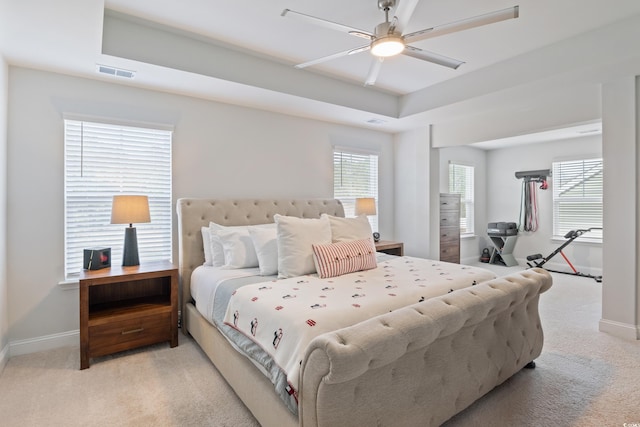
[569,132]
[258,26]
[67,36]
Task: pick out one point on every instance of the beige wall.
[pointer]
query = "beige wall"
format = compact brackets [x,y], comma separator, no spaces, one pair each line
[219,150]
[505,196]
[4,301]
[620,139]
[412,195]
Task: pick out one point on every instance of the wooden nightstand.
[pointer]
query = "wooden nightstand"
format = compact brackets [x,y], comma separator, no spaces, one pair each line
[389,247]
[127,307]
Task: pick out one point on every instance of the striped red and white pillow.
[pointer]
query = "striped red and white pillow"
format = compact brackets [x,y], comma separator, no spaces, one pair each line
[335,259]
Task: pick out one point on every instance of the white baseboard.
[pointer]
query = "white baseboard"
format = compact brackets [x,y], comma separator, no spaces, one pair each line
[621,330]
[4,357]
[47,342]
[470,260]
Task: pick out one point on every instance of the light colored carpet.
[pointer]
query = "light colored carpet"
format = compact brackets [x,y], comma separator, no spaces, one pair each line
[151,386]
[583,378]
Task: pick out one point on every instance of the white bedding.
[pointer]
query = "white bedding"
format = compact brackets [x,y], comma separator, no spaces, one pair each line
[206,279]
[283,316]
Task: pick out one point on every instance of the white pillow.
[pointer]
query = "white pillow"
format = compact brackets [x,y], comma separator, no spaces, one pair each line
[265,242]
[233,251]
[206,243]
[295,237]
[345,229]
[238,248]
[215,246]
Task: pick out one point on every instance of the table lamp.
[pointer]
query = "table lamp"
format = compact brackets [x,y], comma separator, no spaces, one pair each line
[129,209]
[367,206]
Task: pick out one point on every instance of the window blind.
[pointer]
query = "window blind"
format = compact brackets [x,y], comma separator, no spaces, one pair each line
[355,175]
[461,181]
[102,160]
[577,197]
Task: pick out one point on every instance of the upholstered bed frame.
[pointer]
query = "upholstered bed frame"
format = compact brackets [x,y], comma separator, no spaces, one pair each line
[419,365]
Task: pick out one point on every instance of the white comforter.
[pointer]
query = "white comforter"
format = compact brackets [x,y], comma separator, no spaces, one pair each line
[283,316]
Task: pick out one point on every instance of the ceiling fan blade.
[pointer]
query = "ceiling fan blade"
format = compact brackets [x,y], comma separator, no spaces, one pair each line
[333,56]
[374,70]
[403,13]
[328,24]
[464,24]
[435,58]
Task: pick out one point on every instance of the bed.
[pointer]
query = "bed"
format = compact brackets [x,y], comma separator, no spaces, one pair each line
[421,363]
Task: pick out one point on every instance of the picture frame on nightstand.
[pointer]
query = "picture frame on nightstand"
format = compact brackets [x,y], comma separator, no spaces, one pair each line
[96,258]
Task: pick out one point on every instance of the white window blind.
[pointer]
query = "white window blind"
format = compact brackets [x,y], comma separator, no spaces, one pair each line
[577,197]
[461,181]
[102,160]
[355,175]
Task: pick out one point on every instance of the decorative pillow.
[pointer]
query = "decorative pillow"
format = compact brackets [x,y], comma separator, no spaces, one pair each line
[295,237]
[344,229]
[340,258]
[206,243]
[265,242]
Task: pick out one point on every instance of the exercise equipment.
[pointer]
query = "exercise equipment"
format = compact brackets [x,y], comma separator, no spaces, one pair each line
[528,220]
[502,252]
[503,237]
[537,260]
[486,256]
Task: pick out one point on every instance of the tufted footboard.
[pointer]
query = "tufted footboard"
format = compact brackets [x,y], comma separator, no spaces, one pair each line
[420,365]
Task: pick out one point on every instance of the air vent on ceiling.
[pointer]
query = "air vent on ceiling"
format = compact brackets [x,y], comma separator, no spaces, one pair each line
[116,72]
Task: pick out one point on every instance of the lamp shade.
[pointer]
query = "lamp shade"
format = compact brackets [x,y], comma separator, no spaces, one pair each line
[365,206]
[129,209]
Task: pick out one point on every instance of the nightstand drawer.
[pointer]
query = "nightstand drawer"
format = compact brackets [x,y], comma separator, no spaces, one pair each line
[121,335]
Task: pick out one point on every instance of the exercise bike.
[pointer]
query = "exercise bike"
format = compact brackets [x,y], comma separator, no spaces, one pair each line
[538,260]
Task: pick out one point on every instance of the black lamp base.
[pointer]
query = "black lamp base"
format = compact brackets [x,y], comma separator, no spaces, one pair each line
[130,253]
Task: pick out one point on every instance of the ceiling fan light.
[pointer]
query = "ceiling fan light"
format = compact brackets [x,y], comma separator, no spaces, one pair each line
[387,46]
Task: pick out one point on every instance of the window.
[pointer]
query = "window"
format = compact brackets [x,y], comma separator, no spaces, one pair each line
[461,182]
[577,197]
[355,174]
[102,160]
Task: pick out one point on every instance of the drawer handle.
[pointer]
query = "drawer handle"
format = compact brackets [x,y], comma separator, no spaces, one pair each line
[133,331]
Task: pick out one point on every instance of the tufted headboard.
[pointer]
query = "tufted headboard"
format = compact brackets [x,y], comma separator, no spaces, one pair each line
[196,213]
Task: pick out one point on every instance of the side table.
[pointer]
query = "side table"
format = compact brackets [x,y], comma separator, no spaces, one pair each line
[126,307]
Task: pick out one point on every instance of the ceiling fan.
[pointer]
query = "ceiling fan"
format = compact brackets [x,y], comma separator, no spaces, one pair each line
[388,40]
